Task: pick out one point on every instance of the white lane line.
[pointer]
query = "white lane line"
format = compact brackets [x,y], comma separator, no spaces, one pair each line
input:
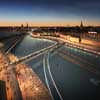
[46,79]
[29,59]
[86,49]
[12,47]
[44,49]
[34,54]
[53,81]
[9,49]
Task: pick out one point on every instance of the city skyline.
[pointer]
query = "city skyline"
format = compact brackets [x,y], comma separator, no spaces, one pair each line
[49,12]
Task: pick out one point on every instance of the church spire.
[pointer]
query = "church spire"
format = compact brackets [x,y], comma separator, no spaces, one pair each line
[81,26]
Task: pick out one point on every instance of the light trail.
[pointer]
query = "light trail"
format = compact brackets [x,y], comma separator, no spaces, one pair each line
[88,68]
[78,57]
[74,45]
[16,41]
[53,81]
[33,57]
[35,53]
[46,79]
[46,63]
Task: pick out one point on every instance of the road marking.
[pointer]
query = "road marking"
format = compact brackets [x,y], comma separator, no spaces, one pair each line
[53,81]
[35,53]
[9,49]
[46,79]
[90,69]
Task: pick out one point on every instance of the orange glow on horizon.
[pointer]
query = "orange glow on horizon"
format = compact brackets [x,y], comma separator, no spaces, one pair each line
[49,23]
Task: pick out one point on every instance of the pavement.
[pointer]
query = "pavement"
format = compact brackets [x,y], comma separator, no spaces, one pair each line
[36,90]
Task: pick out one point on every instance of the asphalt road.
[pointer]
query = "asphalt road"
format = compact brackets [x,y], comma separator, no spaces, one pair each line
[73,81]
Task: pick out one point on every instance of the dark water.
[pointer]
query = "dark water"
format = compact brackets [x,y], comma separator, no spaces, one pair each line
[73,82]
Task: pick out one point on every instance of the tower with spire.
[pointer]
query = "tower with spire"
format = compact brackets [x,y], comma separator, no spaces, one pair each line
[81,25]
[81,31]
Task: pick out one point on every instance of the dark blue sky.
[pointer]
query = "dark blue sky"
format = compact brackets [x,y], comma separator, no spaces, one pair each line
[46,11]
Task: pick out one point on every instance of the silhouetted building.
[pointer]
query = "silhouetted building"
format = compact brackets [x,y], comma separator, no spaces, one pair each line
[81,26]
[27,25]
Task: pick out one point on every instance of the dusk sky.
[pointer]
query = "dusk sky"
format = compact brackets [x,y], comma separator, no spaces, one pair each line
[49,12]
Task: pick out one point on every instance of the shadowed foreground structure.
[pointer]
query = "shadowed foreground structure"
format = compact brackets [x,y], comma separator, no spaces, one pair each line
[21,82]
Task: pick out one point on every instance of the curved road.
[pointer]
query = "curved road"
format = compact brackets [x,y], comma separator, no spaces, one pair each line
[72,81]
